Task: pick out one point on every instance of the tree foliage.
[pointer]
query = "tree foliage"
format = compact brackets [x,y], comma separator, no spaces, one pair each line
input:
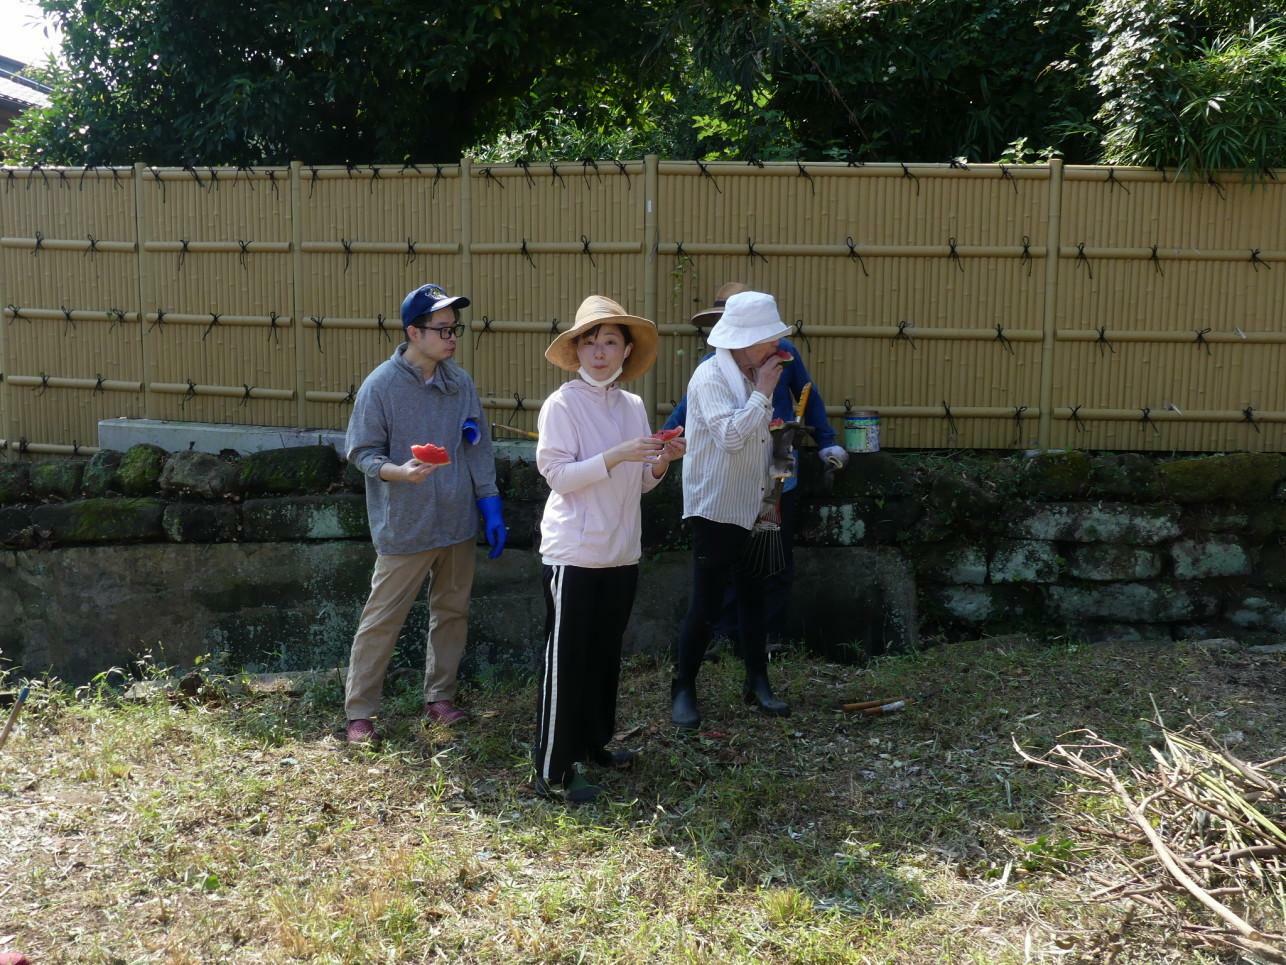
[1198,83]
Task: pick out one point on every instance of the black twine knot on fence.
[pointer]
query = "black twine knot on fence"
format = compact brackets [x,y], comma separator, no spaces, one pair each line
[249,173]
[93,246]
[1018,423]
[851,161]
[411,253]
[525,166]
[352,395]
[1156,260]
[554,176]
[953,429]
[1076,419]
[245,250]
[855,255]
[183,253]
[214,320]
[437,176]
[23,445]
[37,169]
[1025,258]
[117,315]
[1082,259]
[1248,415]
[800,333]
[348,253]
[681,256]
[903,334]
[44,384]
[803,173]
[379,323]
[15,313]
[116,180]
[755,162]
[10,178]
[486,327]
[553,327]
[158,181]
[68,321]
[1113,183]
[411,166]
[245,396]
[83,171]
[1007,175]
[1003,339]
[1145,420]
[98,383]
[351,168]
[214,179]
[196,175]
[958,163]
[584,247]
[585,164]
[318,321]
[62,179]
[1212,182]
[751,253]
[40,244]
[273,334]
[375,176]
[1200,340]
[518,407]
[527,254]
[160,321]
[1102,341]
[312,181]
[272,183]
[954,254]
[1256,261]
[189,394]
[620,166]
[907,174]
[705,173]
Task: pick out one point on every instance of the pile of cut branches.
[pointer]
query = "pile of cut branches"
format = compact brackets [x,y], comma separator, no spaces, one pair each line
[1198,841]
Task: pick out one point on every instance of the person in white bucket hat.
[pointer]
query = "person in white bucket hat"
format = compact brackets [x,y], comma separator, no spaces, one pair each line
[598,454]
[724,484]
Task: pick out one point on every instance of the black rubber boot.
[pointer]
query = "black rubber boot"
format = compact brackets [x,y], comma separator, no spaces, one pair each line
[759,692]
[683,710]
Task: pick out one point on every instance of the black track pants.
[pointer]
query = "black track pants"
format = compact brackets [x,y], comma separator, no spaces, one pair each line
[586,611]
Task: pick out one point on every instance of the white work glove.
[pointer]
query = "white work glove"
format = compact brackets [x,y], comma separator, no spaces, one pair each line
[836,456]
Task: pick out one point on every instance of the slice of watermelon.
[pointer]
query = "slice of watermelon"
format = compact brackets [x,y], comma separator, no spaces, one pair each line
[665,435]
[776,424]
[784,356]
[431,454]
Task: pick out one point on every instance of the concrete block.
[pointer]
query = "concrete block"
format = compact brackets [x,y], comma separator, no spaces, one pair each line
[1210,556]
[1108,561]
[1025,561]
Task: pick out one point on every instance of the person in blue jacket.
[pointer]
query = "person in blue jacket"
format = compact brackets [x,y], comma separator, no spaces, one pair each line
[794,377]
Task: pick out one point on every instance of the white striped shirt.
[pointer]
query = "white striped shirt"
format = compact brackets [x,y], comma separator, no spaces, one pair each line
[729,449]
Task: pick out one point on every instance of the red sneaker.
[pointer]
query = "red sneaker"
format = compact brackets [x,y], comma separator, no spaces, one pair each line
[444,712]
[360,731]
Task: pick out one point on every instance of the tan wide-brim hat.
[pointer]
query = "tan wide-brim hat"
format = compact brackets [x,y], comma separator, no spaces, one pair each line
[599,310]
[708,316]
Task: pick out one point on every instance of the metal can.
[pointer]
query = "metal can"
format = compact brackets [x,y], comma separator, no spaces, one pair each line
[862,430]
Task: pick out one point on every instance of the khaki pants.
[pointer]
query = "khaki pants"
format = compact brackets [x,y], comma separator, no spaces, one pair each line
[395,584]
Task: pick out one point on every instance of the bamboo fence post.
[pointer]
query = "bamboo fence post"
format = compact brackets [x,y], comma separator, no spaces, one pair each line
[145,360]
[650,239]
[465,281]
[1051,302]
[296,286]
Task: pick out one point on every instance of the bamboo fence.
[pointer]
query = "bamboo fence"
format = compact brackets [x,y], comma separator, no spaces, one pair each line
[979,306]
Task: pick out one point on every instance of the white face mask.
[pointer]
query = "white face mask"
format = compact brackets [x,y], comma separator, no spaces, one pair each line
[600,383]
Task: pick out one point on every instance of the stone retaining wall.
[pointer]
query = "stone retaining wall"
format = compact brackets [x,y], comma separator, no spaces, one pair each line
[266,557]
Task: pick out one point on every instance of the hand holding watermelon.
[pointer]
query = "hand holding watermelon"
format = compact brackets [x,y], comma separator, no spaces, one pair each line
[430,454]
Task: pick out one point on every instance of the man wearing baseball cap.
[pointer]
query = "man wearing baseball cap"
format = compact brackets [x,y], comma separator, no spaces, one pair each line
[422,516]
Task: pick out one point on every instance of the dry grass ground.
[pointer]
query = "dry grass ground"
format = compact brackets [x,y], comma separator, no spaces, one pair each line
[244,831]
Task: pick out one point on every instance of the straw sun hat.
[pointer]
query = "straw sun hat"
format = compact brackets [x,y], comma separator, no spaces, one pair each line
[708,316]
[598,310]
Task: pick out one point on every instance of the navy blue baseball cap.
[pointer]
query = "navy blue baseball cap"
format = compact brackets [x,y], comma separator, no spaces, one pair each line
[428,299]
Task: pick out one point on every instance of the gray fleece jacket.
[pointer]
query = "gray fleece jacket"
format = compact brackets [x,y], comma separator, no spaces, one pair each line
[395,409]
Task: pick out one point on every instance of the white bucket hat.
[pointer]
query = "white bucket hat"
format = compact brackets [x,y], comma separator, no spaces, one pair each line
[748,319]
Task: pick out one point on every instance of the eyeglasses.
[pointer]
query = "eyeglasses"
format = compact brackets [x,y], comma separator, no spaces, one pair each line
[447,331]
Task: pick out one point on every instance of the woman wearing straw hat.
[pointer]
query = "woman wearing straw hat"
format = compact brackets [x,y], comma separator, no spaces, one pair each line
[597,452]
[724,484]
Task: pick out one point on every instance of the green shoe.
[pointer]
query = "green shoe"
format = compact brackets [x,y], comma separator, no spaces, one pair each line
[580,791]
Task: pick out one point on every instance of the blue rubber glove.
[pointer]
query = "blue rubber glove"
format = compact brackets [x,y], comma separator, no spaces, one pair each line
[493,524]
[469,430]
